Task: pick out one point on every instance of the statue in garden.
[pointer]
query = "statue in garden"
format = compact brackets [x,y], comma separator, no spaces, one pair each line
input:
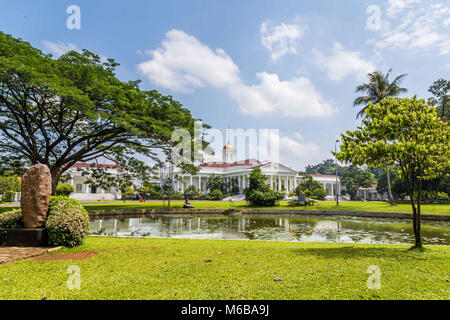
[35,197]
[188,205]
[34,202]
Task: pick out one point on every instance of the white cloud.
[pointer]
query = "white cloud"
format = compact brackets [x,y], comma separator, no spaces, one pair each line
[342,63]
[183,64]
[446,22]
[418,28]
[294,98]
[59,48]
[298,154]
[396,6]
[292,150]
[281,39]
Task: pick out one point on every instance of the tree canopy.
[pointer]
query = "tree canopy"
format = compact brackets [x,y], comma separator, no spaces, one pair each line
[355,178]
[440,90]
[74,109]
[378,88]
[403,132]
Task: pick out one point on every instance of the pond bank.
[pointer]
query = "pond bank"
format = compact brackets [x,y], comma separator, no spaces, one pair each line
[129,212]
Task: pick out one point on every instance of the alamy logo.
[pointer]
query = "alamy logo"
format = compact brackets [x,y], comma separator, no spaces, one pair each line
[74,280]
[74,20]
[374,20]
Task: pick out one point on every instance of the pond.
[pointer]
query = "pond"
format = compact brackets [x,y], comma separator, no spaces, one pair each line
[272,228]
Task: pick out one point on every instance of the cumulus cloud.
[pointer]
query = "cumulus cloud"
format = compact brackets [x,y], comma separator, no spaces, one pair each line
[415,26]
[280,39]
[183,63]
[293,150]
[396,6]
[298,154]
[341,63]
[59,48]
[295,98]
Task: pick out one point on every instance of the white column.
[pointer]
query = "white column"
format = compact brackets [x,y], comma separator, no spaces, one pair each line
[279,183]
[72,182]
[204,185]
[271,181]
[190,180]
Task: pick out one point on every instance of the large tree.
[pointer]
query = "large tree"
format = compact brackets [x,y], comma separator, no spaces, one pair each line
[440,90]
[74,109]
[326,167]
[403,132]
[378,88]
[355,178]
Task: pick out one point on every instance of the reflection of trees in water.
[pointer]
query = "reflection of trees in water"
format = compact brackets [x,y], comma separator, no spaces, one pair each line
[269,227]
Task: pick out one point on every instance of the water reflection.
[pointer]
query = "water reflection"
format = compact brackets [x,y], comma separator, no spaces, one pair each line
[273,228]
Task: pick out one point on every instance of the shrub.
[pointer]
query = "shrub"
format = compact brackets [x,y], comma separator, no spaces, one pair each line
[264,198]
[10,220]
[215,195]
[319,194]
[191,193]
[67,222]
[259,193]
[64,189]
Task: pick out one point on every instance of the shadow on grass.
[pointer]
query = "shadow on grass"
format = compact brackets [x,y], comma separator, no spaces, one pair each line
[352,252]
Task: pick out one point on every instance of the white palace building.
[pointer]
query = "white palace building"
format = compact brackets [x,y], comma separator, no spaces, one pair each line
[280,177]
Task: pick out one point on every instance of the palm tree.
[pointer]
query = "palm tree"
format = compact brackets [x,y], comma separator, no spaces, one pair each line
[378,88]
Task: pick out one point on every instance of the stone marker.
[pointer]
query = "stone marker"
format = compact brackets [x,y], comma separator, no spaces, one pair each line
[35,197]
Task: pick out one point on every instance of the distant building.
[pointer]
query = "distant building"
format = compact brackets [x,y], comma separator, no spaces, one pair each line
[371,194]
[279,176]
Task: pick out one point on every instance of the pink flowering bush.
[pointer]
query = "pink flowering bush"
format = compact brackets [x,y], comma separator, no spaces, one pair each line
[67,222]
[11,219]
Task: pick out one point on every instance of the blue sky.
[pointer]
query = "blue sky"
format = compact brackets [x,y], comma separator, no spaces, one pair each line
[287,65]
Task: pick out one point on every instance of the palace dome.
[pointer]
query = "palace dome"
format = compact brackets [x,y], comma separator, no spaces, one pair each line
[228,147]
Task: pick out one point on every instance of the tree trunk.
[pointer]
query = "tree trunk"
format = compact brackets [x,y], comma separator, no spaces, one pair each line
[388,176]
[56,175]
[416,218]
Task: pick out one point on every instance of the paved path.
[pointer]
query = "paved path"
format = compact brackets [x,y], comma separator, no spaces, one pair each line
[10,204]
[8,254]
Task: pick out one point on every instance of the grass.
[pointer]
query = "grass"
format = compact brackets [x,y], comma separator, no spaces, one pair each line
[323,205]
[193,269]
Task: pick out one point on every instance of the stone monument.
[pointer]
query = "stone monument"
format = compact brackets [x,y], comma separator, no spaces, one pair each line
[34,201]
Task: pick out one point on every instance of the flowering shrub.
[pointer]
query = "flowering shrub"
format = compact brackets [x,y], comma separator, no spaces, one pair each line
[67,222]
[10,220]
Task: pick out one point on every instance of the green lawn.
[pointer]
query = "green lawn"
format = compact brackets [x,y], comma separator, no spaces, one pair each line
[193,269]
[323,205]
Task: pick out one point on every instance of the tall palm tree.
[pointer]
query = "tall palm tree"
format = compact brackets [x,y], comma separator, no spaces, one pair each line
[378,88]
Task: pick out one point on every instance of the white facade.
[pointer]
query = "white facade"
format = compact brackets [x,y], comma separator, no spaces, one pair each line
[280,177]
[85,192]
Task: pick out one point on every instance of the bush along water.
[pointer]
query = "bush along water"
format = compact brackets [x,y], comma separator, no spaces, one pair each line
[10,220]
[67,222]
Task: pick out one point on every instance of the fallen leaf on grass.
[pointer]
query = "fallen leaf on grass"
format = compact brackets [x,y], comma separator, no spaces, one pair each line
[278,279]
